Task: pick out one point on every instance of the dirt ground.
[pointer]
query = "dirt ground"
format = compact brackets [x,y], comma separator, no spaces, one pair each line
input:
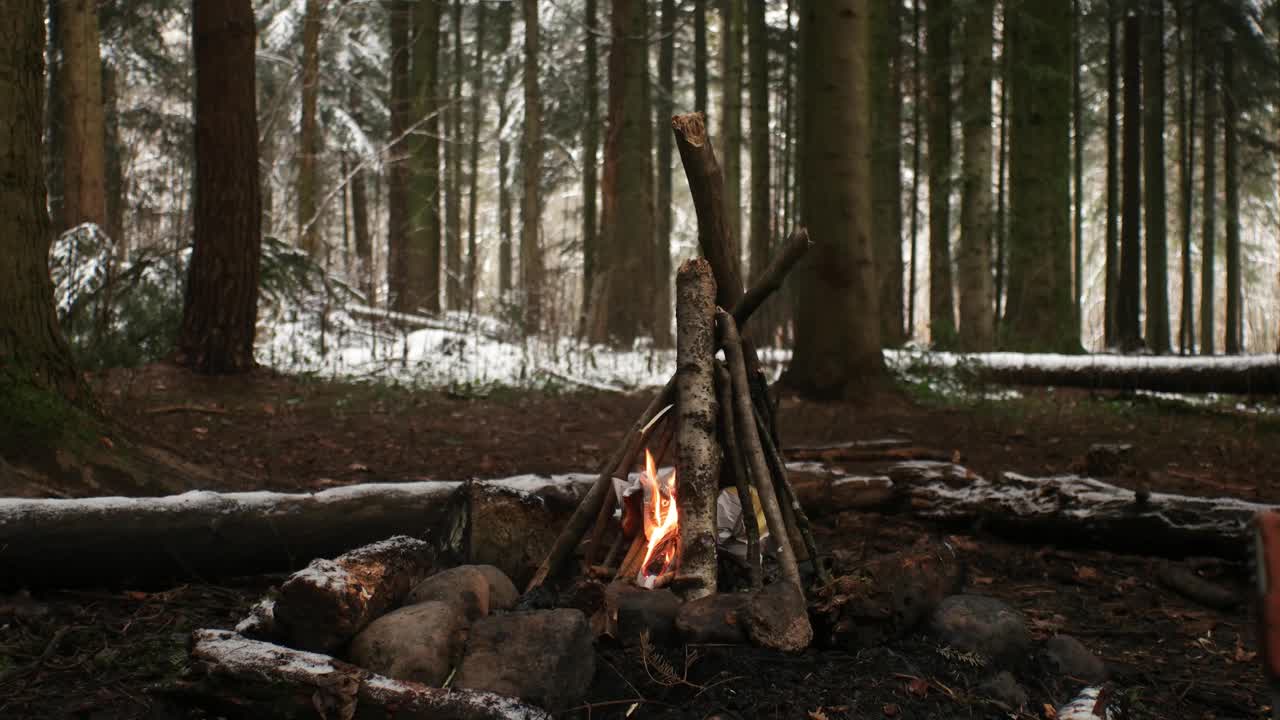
[102,653]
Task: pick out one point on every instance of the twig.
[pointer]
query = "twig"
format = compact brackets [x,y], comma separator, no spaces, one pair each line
[778,466]
[769,281]
[724,390]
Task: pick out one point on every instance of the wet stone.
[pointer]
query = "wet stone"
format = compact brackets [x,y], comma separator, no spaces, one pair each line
[417,642]
[463,587]
[651,611]
[544,657]
[984,625]
[1068,656]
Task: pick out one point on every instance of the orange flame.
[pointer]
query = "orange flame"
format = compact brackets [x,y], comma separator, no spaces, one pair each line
[665,520]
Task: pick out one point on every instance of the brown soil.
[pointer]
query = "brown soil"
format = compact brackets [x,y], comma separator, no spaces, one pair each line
[96,654]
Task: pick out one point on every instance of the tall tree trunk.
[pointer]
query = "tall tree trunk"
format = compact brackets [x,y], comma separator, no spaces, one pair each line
[590,145]
[917,112]
[221,309]
[309,132]
[942,323]
[627,185]
[531,261]
[454,296]
[1234,331]
[977,327]
[837,353]
[1186,171]
[700,103]
[1156,222]
[886,164]
[731,12]
[360,202]
[662,292]
[1129,302]
[473,174]
[505,231]
[1208,212]
[1112,267]
[84,196]
[117,186]
[399,162]
[760,236]
[1039,316]
[1078,142]
[1001,225]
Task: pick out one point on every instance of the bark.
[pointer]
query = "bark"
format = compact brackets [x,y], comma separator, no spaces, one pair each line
[730,125]
[1209,198]
[453,287]
[473,174]
[1157,295]
[360,204]
[531,260]
[1039,314]
[1078,142]
[977,303]
[706,186]
[84,196]
[221,308]
[624,270]
[698,454]
[837,353]
[917,103]
[116,184]
[322,606]
[505,233]
[760,233]
[309,133]
[665,109]
[1186,172]
[590,146]
[938,20]
[886,165]
[1111,272]
[422,250]
[1128,302]
[398,155]
[700,57]
[1234,330]
[239,676]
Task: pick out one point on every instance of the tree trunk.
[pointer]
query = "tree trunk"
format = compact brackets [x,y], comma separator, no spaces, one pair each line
[453,288]
[309,133]
[590,146]
[1208,233]
[1112,268]
[665,109]
[473,174]
[761,239]
[1156,223]
[731,21]
[1186,171]
[837,351]
[1234,331]
[399,159]
[886,165]
[1078,142]
[531,260]
[700,57]
[1129,303]
[117,186]
[422,252]
[938,20]
[360,203]
[977,324]
[1039,314]
[624,310]
[505,232]
[1001,225]
[84,196]
[917,104]
[221,310]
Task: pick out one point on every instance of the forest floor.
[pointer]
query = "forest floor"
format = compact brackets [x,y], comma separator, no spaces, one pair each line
[96,653]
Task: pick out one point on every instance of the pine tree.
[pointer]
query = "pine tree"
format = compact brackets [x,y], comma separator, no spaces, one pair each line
[942,323]
[83,123]
[700,56]
[1234,330]
[1209,197]
[977,304]
[309,132]
[662,293]
[886,164]
[422,249]
[531,263]
[760,236]
[731,12]
[1155,206]
[1186,169]
[453,287]
[505,78]
[1112,268]
[473,174]
[590,146]
[1128,305]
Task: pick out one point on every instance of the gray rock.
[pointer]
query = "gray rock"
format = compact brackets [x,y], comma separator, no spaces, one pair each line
[777,618]
[647,610]
[985,625]
[417,642]
[464,587]
[1068,656]
[545,657]
[718,618]
[1003,687]
[502,592]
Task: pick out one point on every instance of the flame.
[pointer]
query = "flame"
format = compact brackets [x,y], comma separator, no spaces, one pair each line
[665,520]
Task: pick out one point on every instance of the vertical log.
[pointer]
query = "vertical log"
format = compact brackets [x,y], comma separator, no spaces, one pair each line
[733,454]
[698,456]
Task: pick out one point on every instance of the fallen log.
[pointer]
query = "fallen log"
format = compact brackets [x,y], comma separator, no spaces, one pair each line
[250,678]
[152,541]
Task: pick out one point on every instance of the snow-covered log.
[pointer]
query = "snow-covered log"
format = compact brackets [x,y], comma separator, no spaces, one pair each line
[258,679]
[116,541]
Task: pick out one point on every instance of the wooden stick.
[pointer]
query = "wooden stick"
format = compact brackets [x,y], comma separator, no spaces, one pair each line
[778,466]
[769,281]
[631,563]
[750,438]
[706,185]
[728,429]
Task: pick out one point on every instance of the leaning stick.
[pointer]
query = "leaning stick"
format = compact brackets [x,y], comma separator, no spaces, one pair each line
[750,438]
[769,281]
[779,467]
[724,390]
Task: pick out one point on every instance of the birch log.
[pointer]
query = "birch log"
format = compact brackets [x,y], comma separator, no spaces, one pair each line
[697,453]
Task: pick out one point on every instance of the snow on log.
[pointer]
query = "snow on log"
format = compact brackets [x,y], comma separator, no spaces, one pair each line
[1242,374]
[259,679]
[115,541]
